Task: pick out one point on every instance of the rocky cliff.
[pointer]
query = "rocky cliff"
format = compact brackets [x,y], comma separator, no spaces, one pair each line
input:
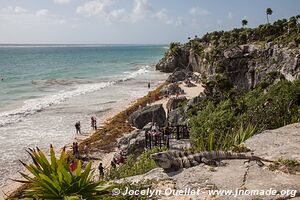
[245,56]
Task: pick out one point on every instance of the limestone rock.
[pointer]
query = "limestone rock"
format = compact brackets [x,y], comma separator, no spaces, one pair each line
[179,75]
[177,117]
[170,63]
[171,89]
[175,102]
[148,114]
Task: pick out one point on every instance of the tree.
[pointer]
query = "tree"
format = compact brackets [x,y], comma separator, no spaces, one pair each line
[269,11]
[244,22]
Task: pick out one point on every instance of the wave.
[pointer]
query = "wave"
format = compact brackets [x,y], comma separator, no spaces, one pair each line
[33,106]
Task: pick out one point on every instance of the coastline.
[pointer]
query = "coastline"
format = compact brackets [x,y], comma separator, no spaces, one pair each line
[107,121]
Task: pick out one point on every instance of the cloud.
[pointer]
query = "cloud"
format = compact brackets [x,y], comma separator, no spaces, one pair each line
[42,12]
[197,11]
[163,17]
[13,10]
[118,14]
[62,1]
[93,8]
[140,9]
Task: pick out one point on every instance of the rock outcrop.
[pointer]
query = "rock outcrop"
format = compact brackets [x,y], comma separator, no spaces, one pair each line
[141,117]
[171,62]
[175,102]
[179,75]
[275,144]
[132,143]
[171,89]
[247,65]
[178,117]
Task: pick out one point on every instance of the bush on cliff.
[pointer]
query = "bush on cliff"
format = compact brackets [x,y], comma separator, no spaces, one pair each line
[262,108]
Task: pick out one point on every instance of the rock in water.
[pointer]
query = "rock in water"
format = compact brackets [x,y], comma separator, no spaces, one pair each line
[145,115]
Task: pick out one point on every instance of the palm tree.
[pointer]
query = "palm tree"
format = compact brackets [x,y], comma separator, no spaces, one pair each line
[269,11]
[244,22]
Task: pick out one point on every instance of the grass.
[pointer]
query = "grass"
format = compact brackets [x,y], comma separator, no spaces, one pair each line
[288,166]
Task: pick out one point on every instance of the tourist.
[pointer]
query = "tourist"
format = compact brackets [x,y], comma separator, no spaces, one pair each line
[101,171]
[76,149]
[73,166]
[94,123]
[86,150]
[113,164]
[77,126]
[149,86]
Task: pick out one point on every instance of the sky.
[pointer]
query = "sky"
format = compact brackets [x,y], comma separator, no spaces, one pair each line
[129,21]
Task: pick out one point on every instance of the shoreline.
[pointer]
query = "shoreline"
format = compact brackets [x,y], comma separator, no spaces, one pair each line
[107,119]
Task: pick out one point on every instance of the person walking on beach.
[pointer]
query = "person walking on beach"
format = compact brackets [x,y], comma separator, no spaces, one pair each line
[149,86]
[94,123]
[101,171]
[77,126]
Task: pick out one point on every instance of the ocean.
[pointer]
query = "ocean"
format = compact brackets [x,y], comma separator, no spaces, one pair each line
[47,88]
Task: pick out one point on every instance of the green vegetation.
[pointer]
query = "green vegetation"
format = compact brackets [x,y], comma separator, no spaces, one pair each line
[218,123]
[244,22]
[53,180]
[269,11]
[286,165]
[133,167]
[174,48]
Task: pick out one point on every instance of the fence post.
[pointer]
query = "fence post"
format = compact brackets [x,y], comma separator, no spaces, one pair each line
[177,132]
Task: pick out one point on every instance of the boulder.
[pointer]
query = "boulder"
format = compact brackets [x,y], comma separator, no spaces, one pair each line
[174,102]
[148,114]
[171,89]
[179,75]
[133,143]
[177,117]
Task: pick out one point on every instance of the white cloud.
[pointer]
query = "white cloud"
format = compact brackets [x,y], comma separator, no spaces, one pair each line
[140,10]
[19,10]
[197,11]
[13,10]
[118,14]
[93,8]
[42,12]
[162,16]
[62,1]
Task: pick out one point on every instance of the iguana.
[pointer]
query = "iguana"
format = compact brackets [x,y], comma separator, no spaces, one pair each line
[175,160]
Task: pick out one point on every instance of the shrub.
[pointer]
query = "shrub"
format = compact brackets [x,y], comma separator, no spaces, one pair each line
[133,167]
[53,180]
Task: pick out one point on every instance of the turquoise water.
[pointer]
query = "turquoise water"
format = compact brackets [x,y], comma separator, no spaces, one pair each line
[46,89]
[31,72]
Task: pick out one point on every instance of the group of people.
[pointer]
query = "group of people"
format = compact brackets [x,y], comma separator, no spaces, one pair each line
[93,125]
[155,129]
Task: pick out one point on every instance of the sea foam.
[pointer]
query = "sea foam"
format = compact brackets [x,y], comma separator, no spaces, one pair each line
[33,106]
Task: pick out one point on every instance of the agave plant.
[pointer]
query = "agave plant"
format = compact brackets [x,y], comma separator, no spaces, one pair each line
[53,180]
